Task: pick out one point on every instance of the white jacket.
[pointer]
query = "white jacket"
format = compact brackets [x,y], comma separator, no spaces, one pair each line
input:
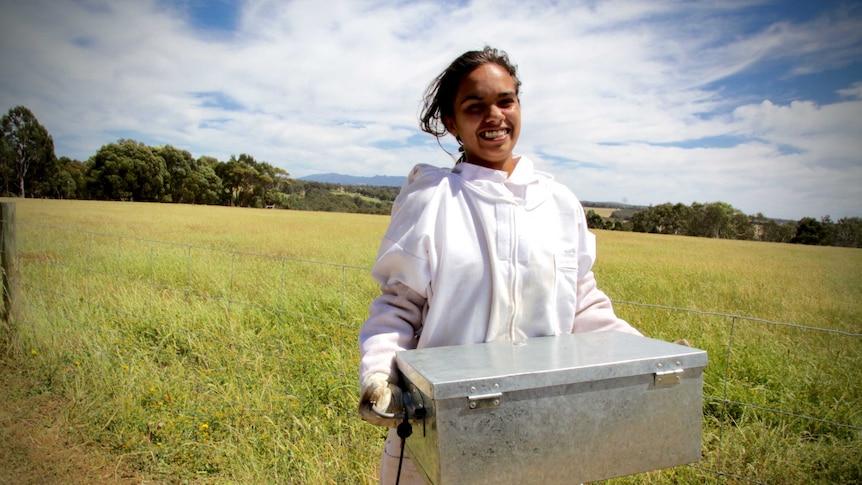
[471,256]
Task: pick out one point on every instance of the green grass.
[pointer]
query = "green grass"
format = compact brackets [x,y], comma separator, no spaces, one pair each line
[602,211]
[794,370]
[218,345]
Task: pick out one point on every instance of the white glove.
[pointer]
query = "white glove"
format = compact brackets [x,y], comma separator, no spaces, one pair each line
[378,395]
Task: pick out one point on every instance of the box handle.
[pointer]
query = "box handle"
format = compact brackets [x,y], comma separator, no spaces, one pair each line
[482,401]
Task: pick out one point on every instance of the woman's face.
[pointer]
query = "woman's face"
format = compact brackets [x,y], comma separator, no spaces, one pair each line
[487,117]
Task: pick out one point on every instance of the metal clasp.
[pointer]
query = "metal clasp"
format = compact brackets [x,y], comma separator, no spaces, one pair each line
[668,378]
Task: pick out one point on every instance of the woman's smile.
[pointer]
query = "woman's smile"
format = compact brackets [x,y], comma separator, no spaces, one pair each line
[487,117]
[493,135]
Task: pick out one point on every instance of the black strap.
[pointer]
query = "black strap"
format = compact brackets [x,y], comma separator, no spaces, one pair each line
[404,430]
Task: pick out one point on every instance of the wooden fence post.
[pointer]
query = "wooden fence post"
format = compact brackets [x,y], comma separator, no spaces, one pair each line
[8,266]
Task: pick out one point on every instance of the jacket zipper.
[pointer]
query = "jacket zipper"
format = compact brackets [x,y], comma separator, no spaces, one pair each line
[513,305]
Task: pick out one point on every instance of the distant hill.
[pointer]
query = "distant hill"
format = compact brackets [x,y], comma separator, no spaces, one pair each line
[337,178]
[396,181]
[613,205]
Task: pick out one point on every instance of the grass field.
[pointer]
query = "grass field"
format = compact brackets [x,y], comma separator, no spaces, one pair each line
[186,344]
[602,211]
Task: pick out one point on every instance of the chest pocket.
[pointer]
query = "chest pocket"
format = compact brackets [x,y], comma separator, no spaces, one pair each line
[567,261]
[566,288]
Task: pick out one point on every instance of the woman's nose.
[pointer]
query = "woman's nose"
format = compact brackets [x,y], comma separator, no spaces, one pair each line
[494,113]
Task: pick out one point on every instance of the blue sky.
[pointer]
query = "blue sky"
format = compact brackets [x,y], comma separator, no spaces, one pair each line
[755,103]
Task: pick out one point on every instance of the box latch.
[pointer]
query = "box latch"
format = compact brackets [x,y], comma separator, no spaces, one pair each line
[668,378]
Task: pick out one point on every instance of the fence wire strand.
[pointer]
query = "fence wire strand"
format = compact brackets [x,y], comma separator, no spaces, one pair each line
[741,317]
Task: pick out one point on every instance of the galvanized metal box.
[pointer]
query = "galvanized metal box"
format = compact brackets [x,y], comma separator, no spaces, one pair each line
[554,410]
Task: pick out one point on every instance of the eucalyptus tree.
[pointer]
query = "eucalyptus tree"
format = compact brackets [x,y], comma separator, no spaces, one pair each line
[189,181]
[810,231]
[28,164]
[238,177]
[127,170]
[847,232]
[249,183]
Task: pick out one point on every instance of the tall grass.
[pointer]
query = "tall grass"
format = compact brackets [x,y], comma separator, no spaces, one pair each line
[774,367]
[213,345]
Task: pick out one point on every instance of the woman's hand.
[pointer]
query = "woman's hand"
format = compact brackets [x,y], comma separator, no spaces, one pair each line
[380,401]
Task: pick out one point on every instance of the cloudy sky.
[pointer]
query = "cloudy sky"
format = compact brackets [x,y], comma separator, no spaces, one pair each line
[752,102]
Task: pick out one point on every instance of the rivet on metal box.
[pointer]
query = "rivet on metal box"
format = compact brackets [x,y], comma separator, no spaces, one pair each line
[553,410]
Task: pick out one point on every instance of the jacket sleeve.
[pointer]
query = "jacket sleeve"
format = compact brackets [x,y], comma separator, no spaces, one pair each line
[395,317]
[594,311]
[394,320]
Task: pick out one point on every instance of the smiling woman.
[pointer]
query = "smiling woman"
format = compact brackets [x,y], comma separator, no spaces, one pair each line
[488,119]
[490,250]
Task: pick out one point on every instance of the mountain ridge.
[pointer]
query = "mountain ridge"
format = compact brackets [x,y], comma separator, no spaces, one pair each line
[398,181]
[341,179]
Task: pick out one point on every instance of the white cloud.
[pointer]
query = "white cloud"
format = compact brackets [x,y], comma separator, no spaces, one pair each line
[616,94]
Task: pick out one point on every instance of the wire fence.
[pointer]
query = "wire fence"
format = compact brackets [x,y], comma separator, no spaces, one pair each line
[66,267]
[726,371]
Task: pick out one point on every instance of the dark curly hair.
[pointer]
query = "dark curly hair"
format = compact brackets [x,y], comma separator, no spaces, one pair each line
[439,101]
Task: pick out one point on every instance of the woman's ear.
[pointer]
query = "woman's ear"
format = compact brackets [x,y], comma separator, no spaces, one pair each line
[449,122]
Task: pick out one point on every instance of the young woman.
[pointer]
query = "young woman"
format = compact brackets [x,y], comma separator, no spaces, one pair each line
[488,250]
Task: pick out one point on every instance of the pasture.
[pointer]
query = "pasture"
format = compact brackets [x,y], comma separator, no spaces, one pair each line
[190,344]
[602,211]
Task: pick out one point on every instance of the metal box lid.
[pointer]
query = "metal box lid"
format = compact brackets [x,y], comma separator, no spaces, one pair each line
[459,371]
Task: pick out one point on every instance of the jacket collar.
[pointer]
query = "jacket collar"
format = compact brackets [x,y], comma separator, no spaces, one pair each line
[523,174]
[522,184]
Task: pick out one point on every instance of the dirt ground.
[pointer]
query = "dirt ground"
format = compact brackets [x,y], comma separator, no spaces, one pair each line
[36,446]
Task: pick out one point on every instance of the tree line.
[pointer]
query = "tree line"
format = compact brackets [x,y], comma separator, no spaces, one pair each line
[722,220]
[128,170]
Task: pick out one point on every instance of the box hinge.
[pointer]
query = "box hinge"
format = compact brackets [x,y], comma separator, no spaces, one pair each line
[668,378]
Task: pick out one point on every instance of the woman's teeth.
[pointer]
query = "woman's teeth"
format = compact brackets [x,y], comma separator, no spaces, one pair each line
[493,134]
